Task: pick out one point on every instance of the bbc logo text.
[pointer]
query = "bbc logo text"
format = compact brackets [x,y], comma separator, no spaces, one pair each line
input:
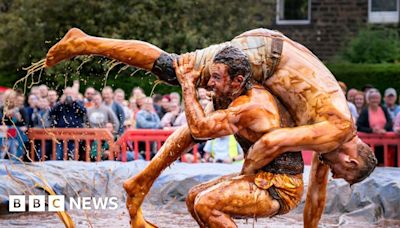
[37,203]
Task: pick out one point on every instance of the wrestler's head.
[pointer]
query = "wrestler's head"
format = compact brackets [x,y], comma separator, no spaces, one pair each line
[230,71]
[353,161]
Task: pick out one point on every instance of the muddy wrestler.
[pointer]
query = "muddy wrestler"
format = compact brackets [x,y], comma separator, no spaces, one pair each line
[275,188]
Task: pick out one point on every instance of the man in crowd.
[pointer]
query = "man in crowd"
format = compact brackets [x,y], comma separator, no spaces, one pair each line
[88,97]
[390,99]
[43,90]
[136,92]
[35,91]
[350,95]
[99,115]
[52,96]
[119,97]
[147,118]
[68,113]
[108,98]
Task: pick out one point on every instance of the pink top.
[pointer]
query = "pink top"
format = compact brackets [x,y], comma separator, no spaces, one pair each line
[376,118]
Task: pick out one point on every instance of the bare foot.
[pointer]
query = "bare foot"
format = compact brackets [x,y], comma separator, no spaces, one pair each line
[71,45]
[137,219]
[136,189]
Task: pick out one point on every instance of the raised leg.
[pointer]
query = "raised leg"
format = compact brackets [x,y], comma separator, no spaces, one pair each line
[75,42]
[138,186]
[236,197]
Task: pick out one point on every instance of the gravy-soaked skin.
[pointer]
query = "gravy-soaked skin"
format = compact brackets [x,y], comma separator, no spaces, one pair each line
[287,69]
[248,111]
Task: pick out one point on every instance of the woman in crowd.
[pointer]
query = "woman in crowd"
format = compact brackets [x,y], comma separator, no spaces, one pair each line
[15,120]
[374,118]
[359,102]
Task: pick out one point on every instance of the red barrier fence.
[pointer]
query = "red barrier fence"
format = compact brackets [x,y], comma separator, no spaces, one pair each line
[131,138]
[76,135]
[389,141]
[148,137]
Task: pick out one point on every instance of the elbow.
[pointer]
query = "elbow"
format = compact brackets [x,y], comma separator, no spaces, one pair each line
[197,134]
[199,130]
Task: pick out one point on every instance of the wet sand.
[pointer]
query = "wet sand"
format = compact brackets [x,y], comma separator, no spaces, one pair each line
[173,215]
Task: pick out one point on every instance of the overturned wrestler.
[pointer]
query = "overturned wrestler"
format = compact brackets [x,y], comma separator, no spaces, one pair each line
[275,188]
[289,71]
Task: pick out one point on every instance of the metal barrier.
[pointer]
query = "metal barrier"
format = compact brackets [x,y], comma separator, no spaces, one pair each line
[77,135]
[147,136]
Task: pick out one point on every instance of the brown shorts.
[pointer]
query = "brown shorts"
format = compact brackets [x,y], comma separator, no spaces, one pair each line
[286,189]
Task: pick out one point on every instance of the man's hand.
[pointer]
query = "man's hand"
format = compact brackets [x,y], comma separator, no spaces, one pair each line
[185,72]
[247,169]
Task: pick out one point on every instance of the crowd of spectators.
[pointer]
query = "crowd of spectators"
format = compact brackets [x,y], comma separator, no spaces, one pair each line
[108,108]
[371,112]
[117,111]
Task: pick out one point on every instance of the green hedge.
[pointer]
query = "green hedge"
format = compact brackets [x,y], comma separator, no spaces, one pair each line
[356,76]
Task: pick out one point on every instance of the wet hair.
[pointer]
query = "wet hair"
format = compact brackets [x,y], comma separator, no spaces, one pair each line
[369,162]
[236,60]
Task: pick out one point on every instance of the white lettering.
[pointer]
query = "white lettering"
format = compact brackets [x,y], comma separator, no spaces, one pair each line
[73,203]
[86,203]
[16,203]
[36,203]
[100,203]
[56,203]
[113,201]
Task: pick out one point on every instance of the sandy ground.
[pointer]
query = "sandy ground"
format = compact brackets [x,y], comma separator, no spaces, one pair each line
[172,215]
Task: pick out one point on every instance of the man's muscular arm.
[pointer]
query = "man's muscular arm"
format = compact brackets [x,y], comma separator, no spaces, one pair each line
[321,137]
[216,124]
[316,193]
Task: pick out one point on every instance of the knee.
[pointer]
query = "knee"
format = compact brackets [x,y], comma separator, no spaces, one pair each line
[190,198]
[202,206]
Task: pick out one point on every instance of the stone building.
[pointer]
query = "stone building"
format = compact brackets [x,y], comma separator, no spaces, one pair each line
[324,26]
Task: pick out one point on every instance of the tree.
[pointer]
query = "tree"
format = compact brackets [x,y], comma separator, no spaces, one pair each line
[30,28]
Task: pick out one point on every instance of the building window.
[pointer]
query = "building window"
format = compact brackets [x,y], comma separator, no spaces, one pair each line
[383,11]
[293,12]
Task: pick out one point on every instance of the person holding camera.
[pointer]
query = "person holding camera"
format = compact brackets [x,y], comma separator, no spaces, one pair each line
[68,113]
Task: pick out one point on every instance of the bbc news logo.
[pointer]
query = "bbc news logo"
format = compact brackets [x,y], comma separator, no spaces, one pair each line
[37,203]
